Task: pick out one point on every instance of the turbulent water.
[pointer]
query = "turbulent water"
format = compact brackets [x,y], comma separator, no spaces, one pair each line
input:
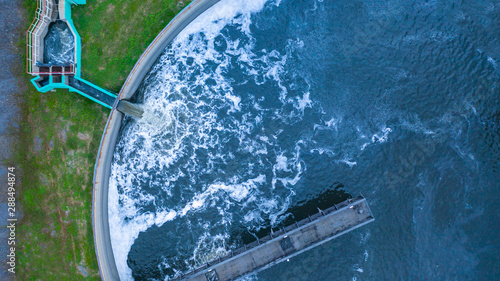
[59,45]
[259,107]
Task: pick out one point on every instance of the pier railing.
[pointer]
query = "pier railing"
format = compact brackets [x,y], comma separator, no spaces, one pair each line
[274,233]
[44,14]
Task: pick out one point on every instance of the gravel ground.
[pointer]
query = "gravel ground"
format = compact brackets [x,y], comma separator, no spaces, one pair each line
[12,83]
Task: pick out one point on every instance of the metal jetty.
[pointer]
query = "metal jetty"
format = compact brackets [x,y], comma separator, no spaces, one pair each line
[285,243]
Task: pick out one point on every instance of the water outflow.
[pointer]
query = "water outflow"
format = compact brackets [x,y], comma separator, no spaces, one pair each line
[93,92]
[59,46]
[131,109]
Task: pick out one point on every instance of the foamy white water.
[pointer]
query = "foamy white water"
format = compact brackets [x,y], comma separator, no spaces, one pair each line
[185,96]
[126,222]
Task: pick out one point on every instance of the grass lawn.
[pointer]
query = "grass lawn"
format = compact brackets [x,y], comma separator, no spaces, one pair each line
[115,34]
[60,134]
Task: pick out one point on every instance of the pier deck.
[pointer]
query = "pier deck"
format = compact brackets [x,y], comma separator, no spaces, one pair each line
[286,243]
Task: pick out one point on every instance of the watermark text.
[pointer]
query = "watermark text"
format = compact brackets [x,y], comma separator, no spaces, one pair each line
[12,220]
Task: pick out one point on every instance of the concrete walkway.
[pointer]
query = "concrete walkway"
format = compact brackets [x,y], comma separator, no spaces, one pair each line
[288,242]
[102,240]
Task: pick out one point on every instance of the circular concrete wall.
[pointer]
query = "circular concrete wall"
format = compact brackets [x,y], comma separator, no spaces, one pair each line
[102,240]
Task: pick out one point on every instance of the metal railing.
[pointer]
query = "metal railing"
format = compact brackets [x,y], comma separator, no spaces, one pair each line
[271,236]
[34,40]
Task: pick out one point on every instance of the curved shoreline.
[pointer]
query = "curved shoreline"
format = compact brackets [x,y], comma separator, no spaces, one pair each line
[100,222]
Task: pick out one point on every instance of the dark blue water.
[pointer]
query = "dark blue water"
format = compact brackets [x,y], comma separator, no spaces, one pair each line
[258,108]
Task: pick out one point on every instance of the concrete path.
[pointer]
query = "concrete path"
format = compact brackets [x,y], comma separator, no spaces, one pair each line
[292,241]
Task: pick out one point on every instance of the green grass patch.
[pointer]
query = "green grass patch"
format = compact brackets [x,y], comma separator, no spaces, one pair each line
[56,194]
[59,138]
[115,34]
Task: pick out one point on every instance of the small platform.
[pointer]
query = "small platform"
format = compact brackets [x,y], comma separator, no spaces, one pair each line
[287,242]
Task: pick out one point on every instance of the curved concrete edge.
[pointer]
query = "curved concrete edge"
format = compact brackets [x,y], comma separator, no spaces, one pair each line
[100,222]
[149,57]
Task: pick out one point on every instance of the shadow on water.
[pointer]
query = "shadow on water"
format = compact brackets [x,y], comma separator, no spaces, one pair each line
[403,87]
[304,208]
[144,263]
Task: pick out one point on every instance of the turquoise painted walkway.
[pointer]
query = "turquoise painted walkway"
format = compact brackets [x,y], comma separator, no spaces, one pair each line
[74,83]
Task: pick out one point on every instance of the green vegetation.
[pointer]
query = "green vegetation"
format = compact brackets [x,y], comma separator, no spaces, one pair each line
[115,34]
[60,134]
[59,139]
